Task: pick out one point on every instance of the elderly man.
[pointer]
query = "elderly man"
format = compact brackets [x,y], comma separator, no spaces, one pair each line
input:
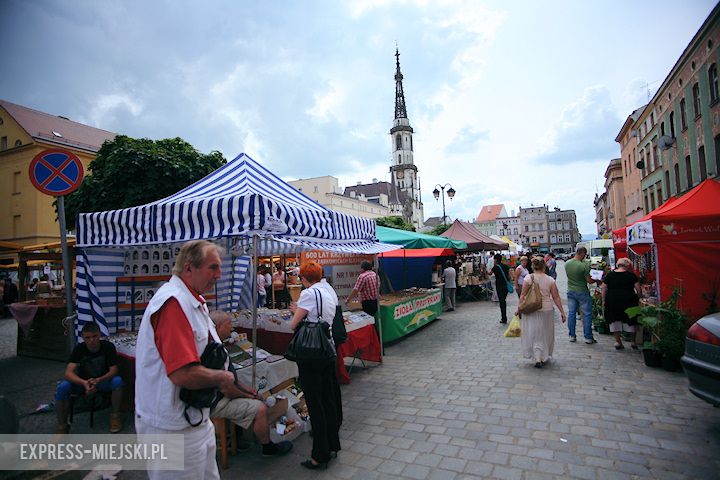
[174,332]
[245,409]
[578,295]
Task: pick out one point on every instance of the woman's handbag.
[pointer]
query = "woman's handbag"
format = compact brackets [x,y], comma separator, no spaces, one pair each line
[533,298]
[311,340]
[339,332]
[508,283]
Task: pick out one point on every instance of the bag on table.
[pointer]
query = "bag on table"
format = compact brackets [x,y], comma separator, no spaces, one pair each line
[533,299]
[311,340]
[513,330]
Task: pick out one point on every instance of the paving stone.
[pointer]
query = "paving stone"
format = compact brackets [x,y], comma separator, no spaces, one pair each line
[453,464]
[418,472]
[506,473]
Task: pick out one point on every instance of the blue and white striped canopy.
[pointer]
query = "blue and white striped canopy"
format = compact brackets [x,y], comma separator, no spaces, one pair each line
[240,199]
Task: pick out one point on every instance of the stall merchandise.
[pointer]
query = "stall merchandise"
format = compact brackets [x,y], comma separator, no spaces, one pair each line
[684,237]
[407,310]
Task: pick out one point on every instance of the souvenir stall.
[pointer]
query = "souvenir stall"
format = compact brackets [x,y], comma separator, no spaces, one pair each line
[242,206]
[676,241]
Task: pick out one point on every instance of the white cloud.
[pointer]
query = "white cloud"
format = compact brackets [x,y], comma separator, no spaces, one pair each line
[107,107]
[328,104]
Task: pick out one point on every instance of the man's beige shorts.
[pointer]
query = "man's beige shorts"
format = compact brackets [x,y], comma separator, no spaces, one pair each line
[240,411]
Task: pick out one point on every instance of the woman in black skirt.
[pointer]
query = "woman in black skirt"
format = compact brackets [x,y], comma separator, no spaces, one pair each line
[621,290]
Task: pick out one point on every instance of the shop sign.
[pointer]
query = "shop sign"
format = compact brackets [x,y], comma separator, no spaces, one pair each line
[402,318]
[640,232]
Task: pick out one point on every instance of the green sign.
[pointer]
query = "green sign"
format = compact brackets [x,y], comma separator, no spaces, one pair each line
[401,318]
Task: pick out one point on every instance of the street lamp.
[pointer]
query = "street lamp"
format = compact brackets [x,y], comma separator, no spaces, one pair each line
[450,194]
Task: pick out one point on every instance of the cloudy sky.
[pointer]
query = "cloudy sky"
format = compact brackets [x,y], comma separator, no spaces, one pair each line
[513,102]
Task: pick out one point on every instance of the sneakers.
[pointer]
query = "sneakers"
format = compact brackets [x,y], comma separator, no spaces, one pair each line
[115,423]
[573,339]
[62,429]
[276,449]
[590,341]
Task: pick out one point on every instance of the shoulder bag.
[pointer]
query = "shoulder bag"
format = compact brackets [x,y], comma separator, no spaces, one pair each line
[214,356]
[533,299]
[311,340]
[509,284]
[339,332]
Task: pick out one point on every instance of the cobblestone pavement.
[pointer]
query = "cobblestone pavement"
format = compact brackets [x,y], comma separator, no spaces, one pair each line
[456,400]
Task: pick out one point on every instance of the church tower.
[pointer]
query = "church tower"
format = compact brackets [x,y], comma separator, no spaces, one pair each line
[403,171]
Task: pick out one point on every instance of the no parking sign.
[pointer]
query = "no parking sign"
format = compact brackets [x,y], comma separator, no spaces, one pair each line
[56,172]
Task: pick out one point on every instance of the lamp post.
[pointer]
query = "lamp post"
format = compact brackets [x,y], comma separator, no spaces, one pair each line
[450,193]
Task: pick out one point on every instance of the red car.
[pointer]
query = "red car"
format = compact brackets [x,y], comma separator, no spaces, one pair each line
[701,361]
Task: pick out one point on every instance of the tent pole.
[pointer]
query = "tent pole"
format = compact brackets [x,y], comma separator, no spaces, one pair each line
[376,263]
[253,277]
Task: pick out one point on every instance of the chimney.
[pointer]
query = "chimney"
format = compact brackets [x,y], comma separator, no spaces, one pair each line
[374,180]
[359,183]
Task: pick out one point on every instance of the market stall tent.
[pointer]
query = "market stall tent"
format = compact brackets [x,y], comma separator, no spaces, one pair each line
[685,234]
[476,240]
[415,240]
[247,205]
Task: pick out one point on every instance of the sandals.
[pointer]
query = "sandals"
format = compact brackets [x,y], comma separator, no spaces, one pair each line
[309,464]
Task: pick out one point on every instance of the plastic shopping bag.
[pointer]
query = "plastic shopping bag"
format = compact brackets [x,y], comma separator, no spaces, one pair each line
[513,329]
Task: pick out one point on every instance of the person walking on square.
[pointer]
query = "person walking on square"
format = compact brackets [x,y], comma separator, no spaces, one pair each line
[578,295]
[317,377]
[521,271]
[537,337]
[174,332]
[551,265]
[502,277]
[92,368]
[367,287]
[621,290]
[449,275]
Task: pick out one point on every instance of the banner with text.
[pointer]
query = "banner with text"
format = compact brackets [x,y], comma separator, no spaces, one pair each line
[341,269]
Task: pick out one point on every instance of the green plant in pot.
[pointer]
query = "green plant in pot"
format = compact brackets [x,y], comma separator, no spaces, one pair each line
[667,327]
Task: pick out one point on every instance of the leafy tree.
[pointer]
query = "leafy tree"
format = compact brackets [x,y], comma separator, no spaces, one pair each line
[128,172]
[438,229]
[394,222]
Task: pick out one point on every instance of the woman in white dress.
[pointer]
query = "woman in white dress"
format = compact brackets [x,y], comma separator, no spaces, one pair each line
[537,337]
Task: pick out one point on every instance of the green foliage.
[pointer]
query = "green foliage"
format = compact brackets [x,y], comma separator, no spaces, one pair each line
[394,222]
[666,323]
[438,229]
[128,172]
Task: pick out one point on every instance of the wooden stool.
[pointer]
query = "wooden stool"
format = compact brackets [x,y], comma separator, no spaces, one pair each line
[221,434]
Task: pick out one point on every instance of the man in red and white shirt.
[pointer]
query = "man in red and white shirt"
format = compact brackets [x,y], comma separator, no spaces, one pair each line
[174,332]
[367,287]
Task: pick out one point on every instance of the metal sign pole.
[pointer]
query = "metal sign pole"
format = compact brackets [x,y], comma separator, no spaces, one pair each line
[66,268]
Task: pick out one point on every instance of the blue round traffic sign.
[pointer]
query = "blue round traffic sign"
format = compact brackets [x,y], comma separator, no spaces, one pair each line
[56,171]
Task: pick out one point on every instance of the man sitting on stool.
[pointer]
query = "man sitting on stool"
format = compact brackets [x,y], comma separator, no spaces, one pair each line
[245,409]
[92,368]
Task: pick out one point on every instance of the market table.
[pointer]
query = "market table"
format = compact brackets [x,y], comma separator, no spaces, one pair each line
[269,373]
[407,310]
[275,335]
[41,332]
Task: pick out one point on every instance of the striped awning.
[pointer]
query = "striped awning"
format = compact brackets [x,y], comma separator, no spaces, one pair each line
[240,199]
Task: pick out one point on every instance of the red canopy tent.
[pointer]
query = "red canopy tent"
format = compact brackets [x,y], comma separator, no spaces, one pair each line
[475,239]
[619,236]
[686,235]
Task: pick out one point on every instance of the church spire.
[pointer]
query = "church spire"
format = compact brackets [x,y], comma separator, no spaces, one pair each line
[400,111]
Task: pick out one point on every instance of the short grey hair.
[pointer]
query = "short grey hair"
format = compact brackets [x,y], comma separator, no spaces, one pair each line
[194,252]
[624,262]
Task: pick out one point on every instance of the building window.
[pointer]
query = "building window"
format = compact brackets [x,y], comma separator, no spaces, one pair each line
[677,178]
[411,147]
[652,119]
[567,237]
[398,142]
[672,124]
[399,160]
[688,172]
[18,143]
[515,232]
[553,239]
[683,115]
[526,228]
[656,154]
[713,80]
[315,189]
[696,100]
[662,128]
[647,205]
[3,143]
[658,189]
[534,239]
[703,167]
[667,182]
[652,201]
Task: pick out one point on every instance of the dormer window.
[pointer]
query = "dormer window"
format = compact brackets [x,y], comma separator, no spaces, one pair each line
[59,135]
